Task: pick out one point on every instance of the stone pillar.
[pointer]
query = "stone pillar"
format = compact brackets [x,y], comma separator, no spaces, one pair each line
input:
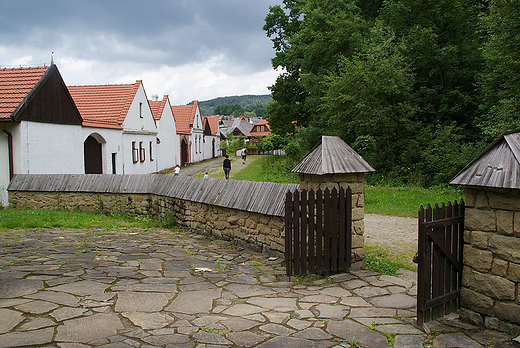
[356,182]
[490,292]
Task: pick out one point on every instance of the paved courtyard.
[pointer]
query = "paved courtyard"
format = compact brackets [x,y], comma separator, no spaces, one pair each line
[158,288]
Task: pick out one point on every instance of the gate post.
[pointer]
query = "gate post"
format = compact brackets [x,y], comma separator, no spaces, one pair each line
[332,163]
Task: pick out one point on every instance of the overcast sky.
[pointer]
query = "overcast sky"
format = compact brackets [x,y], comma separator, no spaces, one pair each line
[188,49]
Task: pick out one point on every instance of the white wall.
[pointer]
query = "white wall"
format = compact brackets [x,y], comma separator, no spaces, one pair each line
[111,142]
[4,168]
[168,151]
[139,127]
[47,148]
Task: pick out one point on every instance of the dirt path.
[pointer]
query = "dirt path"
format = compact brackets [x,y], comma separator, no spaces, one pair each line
[214,166]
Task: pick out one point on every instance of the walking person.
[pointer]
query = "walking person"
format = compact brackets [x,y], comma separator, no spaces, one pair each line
[244,154]
[227,166]
[176,170]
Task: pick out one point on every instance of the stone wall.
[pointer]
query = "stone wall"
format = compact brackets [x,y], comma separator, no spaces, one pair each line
[490,294]
[356,182]
[255,231]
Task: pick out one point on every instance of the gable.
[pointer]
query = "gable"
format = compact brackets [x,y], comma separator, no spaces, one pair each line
[36,94]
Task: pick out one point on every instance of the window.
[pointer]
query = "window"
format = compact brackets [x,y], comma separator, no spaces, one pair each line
[114,163]
[142,152]
[135,153]
[141,110]
[151,151]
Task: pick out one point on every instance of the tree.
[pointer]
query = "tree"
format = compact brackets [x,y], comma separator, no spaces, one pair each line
[309,37]
[371,97]
[441,40]
[500,81]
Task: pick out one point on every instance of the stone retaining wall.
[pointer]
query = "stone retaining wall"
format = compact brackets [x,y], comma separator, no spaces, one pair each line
[490,294]
[255,231]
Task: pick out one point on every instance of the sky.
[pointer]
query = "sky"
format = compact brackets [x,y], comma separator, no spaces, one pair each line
[187,49]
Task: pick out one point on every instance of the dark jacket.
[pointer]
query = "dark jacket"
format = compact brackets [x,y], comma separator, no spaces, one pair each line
[227,163]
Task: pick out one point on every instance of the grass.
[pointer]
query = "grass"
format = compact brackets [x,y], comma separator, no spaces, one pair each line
[43,218]
[386,260]
[405,201]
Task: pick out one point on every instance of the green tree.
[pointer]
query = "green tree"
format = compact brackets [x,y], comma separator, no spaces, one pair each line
[501,79]
[441,41]
[371,97]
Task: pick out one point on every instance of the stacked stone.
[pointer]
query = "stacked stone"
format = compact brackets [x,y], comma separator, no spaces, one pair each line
[490,292]
[356,182]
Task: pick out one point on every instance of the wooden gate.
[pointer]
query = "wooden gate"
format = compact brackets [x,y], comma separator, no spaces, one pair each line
[318,231]
[439,270]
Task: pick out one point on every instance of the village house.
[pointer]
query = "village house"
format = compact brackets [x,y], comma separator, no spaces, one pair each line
[37,116]
[260,129]
[190,130]
[119,129]
[168,143]
[211,137]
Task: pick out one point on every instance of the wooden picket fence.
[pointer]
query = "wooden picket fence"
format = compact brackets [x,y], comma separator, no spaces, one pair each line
[318,231]
[439,270]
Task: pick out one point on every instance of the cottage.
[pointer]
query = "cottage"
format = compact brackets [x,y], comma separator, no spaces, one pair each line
[211,137]
[490,293]
[37,116]
[190,130]
[168,144]
[119,129]
[260,129]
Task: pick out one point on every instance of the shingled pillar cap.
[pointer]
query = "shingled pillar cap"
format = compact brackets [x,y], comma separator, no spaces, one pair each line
[332,156]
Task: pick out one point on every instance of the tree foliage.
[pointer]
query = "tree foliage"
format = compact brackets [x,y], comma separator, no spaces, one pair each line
[398,78]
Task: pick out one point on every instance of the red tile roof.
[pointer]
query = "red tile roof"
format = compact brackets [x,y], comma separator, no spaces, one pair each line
[15,84]
[157,107]
[104,106]
[184,116]
[213,123]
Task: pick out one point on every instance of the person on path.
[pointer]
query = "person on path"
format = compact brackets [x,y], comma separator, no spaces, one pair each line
[176,170]
[244,154]
[227,167]
[206,174]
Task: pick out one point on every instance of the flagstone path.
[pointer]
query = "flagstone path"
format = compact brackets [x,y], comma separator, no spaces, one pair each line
[158,288]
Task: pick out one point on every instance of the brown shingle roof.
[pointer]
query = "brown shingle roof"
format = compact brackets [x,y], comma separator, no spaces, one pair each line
[213,123]
[497,166]
[104,106]
[332,156]
[15,85]
[184,116]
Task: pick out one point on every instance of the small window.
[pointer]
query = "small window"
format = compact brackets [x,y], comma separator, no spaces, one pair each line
[142,152]
[141,110]
[135,153]
[151,151]
[114,163]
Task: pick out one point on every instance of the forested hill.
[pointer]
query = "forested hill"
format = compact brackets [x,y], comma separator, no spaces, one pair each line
[247,102]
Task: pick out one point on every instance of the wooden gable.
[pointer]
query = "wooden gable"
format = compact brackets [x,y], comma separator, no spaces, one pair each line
[49,101]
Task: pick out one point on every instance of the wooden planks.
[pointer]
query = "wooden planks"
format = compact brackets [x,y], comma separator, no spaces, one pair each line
[318,231]
[259,197]
[439,271]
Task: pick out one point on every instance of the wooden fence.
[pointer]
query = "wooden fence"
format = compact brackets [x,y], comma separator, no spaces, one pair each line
[439,273]
[318,231]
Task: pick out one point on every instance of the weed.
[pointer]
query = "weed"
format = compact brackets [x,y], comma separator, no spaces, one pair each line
[391,338]
[219,266]
[352,342]
[308,278]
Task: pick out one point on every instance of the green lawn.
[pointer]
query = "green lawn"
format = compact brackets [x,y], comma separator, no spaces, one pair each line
[405,201]
[43,218]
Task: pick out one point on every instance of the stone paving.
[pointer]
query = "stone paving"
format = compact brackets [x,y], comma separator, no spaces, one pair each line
[158,288]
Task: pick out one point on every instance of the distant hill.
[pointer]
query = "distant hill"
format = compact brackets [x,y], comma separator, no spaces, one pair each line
[248,102]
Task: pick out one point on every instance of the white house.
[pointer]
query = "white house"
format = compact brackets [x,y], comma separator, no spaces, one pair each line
[211,137]
[190,130]
[119,132]
[40,125]
[168,143]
